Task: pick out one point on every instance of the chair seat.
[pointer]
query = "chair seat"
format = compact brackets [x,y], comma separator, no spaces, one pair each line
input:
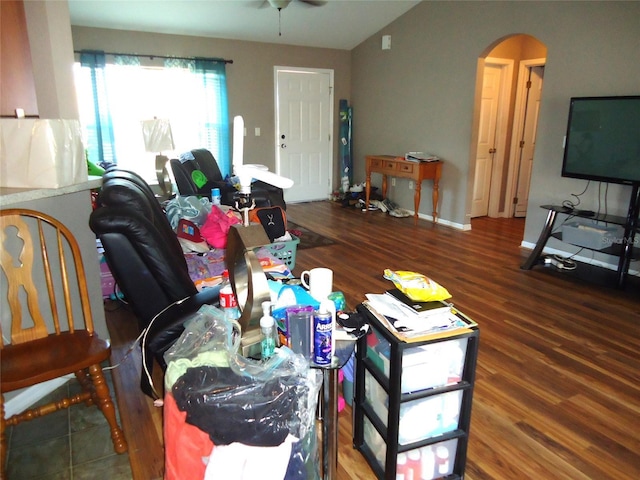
[57,355]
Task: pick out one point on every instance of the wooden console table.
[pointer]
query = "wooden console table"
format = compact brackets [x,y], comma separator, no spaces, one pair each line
[388,165]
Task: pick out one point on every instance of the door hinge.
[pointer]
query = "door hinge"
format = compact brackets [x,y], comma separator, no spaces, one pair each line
[529,84]
[515,200]
[521,143]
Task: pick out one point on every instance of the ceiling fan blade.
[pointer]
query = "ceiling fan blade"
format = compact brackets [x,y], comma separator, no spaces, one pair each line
[314,3]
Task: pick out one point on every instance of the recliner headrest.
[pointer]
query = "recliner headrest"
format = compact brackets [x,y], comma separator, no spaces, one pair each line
[207,164]
[116,192]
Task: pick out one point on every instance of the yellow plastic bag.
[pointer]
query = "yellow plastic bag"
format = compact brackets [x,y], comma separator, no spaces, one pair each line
[416,286]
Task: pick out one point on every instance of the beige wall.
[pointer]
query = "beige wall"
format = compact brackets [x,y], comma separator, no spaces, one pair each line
[420,94]
[49,32]
[250,79]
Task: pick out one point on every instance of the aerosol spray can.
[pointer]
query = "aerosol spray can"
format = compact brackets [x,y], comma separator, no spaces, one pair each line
[215,196]
[322,336]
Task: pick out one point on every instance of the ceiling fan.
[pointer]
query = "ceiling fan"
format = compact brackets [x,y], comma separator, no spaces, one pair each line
[282,4]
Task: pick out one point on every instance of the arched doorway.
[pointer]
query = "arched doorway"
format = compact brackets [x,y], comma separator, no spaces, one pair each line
[508,94]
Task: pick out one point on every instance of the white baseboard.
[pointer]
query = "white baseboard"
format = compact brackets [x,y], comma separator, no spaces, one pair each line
[440,221]
[29,396]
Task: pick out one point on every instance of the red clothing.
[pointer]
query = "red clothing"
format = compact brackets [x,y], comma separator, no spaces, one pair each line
[185,446]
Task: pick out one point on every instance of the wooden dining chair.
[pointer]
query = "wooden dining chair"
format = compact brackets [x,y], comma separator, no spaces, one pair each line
[51,333]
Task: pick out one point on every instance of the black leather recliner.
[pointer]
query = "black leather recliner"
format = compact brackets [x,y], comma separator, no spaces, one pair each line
[265,195]
[147,262]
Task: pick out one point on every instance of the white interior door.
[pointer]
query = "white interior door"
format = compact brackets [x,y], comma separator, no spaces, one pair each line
[528,140]
[489,110]
[304,122]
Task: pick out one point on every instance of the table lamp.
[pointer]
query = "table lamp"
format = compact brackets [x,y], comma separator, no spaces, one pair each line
[157,137]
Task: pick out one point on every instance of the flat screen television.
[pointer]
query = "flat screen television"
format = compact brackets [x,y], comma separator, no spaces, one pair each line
[603,140]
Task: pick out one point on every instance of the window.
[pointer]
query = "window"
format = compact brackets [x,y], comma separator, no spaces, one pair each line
[116,93]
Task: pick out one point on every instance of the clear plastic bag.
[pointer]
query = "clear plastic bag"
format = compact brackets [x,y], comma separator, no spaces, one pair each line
[208,339]
[190,208]
[237,400]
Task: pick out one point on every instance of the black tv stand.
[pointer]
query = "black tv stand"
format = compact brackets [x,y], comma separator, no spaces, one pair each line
[584,213]
[626,251]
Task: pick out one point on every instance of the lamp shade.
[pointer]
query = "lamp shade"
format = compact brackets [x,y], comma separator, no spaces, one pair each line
[157,135]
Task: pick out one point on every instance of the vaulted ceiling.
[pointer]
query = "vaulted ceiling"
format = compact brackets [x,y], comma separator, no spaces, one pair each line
[340,24]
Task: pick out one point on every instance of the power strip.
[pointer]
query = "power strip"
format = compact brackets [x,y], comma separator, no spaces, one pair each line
[551,261]
[559,264]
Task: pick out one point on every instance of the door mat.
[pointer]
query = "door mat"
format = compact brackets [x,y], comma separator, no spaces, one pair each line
[308,239]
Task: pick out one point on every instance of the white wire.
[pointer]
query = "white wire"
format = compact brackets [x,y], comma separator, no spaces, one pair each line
[144,340]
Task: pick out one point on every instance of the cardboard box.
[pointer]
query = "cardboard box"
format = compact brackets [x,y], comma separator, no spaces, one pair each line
[39,153]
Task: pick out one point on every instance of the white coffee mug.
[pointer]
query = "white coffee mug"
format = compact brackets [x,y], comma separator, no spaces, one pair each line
[319,282]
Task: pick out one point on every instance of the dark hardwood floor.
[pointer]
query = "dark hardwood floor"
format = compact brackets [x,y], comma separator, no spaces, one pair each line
[557,391]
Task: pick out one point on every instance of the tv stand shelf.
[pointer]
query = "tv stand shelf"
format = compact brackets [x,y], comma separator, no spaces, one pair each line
[617,250]
[626,251]
[615,219]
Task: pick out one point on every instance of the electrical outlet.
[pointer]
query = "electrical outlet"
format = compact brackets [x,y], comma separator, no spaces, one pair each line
[393,182]
[410,184]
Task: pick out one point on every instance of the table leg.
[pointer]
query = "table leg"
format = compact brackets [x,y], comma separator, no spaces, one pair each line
[330,423]
[416,201]
[435,200]
[367,190]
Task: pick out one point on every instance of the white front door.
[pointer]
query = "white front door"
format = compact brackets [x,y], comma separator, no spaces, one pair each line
[528,141]
[304,123]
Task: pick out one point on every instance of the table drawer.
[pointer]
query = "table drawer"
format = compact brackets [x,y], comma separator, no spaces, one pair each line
[406,167]
[384,166]
[375,162]
[390,166]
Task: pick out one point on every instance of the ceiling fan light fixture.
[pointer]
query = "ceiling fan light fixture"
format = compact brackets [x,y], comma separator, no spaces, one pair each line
[279,4]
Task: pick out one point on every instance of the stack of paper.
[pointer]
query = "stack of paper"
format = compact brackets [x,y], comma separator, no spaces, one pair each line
[406,323]
[422,308]
[420,157]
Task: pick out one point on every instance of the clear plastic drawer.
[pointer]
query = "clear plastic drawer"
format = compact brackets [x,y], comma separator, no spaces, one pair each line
[426,366]
[425,463]
[419,419]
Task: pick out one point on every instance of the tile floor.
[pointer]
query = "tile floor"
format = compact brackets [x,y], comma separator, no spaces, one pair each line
[70,444]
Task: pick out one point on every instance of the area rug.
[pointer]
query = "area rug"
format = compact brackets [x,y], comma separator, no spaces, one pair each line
[308,239]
